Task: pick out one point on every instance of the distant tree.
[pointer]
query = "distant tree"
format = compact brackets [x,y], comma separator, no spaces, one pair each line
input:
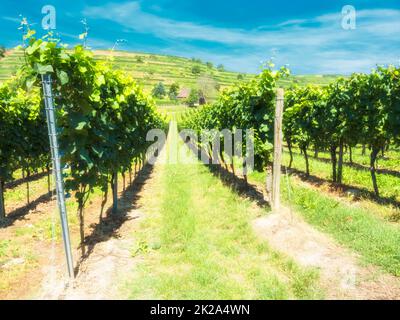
[159,91]
[209,65]
[221,67]
[217,86]
[193,98]
[173,91]
[2,51]
[139,59]
[196,60]
[202,98]
[206,86]
[196,69]
[240,76]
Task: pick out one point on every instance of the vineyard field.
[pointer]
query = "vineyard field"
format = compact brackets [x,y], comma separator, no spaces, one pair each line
[118,183]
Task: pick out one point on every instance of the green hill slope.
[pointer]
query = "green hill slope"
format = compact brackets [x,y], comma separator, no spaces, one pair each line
[149,69]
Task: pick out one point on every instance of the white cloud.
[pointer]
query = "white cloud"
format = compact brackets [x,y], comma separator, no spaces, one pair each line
[292,22]
[131,16]
[299,42]
[12,19]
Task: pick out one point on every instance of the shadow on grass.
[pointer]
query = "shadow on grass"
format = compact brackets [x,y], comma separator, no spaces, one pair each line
[32,178]
[109,226]
[342,188]
[237,184]
[242,188]
[20,213]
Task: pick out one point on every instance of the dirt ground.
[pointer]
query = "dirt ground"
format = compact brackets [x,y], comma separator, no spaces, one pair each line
[341,274]
[48,269]
[110,258]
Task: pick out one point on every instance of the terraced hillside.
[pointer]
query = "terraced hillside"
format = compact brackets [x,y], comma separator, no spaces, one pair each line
[149,69]
[9,64]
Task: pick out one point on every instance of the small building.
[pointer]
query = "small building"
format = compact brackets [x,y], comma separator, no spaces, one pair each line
[183,94]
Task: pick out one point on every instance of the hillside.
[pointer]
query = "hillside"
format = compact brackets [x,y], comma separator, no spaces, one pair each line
[149,69]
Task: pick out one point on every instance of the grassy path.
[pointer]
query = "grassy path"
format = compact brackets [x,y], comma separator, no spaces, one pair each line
[352,225]
[197,242]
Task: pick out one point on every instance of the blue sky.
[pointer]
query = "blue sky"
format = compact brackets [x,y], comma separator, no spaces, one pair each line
[307,35]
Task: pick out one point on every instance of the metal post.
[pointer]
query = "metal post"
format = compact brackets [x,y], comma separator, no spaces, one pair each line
[276,173]
[52,129]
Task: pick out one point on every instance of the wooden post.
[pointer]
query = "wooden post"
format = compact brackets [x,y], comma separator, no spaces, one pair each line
[2,206]
[276,171]
[115,193]
[28,175]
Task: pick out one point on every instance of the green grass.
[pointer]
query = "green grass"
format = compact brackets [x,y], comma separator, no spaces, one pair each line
[173,111]
[389,185]
[18,194]
[13,249]
[16,198]
[197,243]
[376,240]
[4,244]
[390,161]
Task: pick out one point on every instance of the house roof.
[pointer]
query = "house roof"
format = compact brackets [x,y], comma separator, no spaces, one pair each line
[184,93]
